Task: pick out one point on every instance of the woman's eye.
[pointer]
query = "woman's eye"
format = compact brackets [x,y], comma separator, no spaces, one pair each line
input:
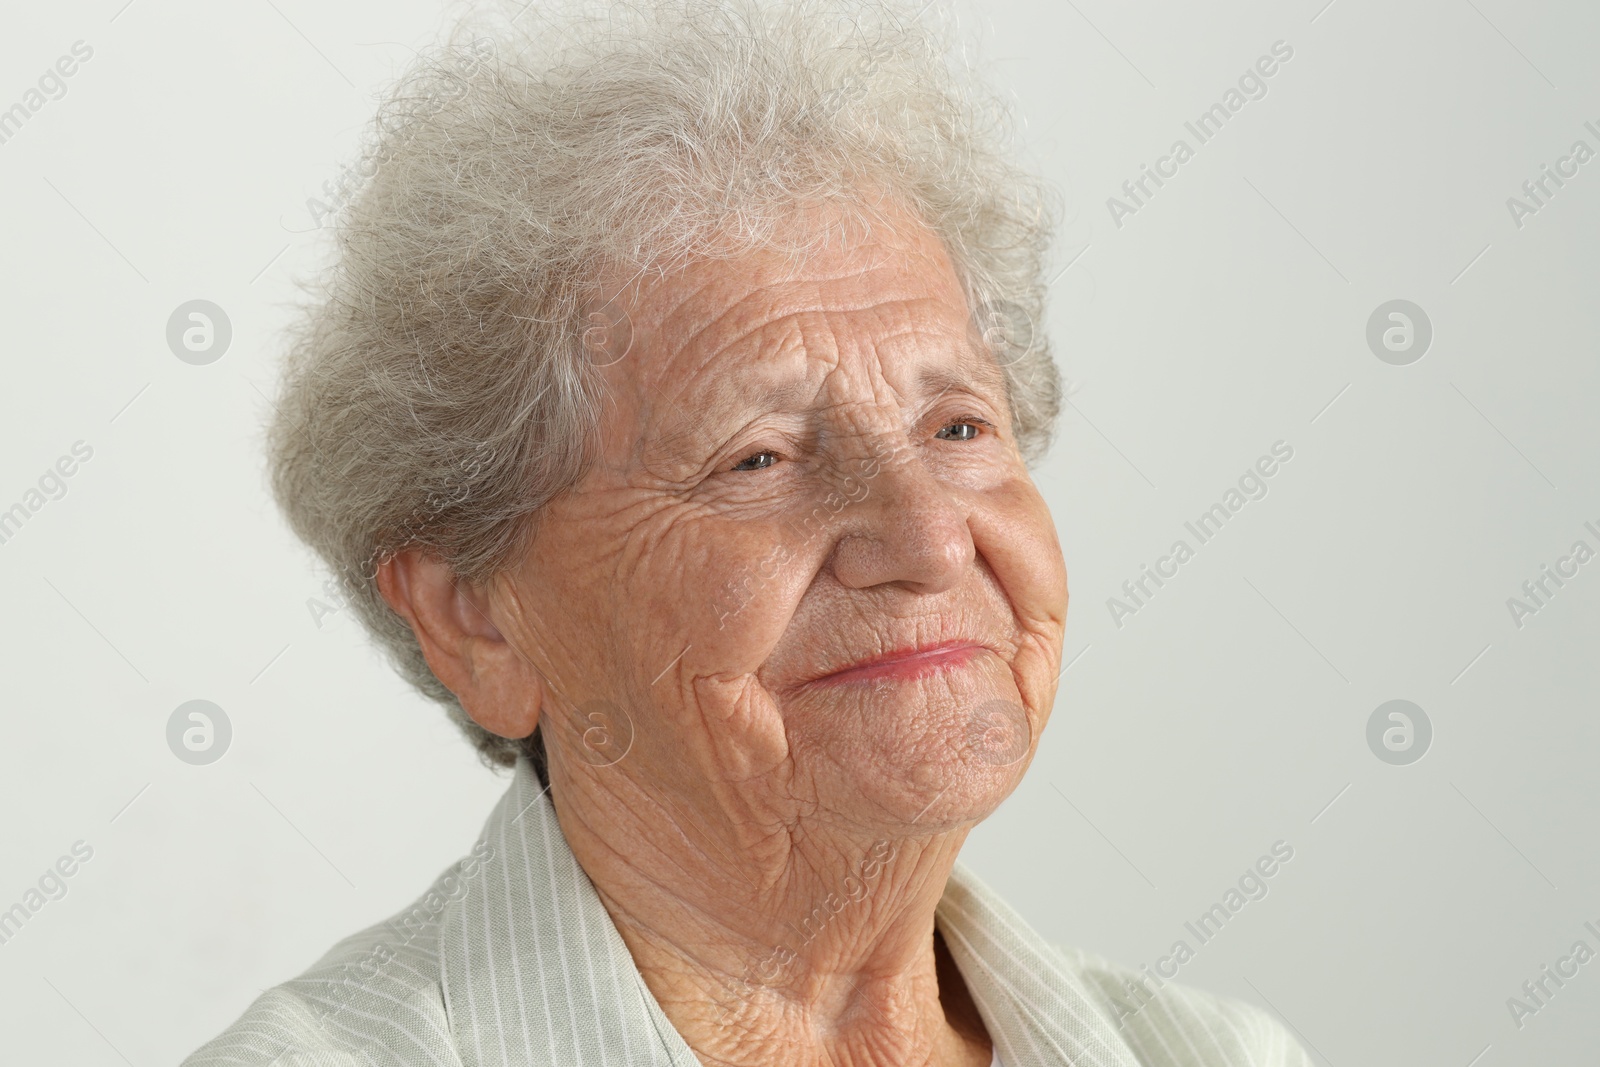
[960,430]
[756,461]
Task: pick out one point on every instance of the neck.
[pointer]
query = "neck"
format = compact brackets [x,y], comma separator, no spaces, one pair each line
[814,945]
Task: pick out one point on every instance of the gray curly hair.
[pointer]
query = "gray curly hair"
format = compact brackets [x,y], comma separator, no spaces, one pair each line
[438,391]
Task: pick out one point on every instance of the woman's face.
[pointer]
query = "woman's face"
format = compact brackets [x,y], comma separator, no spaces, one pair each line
[809,573]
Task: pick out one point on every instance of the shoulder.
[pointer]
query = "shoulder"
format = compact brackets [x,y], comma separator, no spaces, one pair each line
[1172,1025]
[374,998]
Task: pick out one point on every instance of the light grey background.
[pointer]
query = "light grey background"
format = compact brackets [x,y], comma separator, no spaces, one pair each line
[1229,713]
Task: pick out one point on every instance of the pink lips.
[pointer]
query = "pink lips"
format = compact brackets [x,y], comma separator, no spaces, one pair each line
[905,664]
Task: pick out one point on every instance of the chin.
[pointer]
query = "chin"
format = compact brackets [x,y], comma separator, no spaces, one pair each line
[959,794]
[925,786]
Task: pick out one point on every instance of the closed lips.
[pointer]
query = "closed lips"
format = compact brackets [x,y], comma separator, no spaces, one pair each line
[905,663]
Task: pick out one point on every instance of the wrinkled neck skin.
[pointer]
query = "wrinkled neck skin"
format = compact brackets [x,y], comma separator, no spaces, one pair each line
[805,949]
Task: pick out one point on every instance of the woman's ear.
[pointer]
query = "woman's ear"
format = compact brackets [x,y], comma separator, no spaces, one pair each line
[492,678]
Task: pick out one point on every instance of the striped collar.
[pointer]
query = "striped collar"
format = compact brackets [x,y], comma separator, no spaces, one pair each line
[533,970]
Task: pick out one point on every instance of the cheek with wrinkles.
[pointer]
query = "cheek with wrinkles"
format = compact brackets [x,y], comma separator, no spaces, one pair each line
[1014,533]
[752,578]
[653,577]
[1018,536]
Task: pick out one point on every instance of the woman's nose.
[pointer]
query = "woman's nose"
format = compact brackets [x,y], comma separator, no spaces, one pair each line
[908,529]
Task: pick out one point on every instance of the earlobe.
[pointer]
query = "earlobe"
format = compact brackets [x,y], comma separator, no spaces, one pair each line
[451,619]
[506,693]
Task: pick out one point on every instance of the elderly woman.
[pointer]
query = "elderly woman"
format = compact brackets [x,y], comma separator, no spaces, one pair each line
[667,417]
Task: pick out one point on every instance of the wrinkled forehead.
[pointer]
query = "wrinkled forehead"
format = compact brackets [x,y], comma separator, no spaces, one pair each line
[878,323]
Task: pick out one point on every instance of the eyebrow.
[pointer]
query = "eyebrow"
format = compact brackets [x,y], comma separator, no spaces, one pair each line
[977,374]
[728,400]
[690,430]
